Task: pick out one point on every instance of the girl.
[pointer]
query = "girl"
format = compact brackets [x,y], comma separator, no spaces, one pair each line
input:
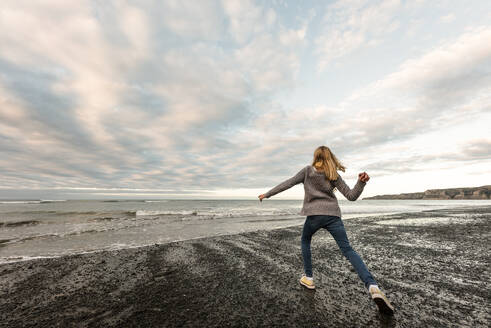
[320,205]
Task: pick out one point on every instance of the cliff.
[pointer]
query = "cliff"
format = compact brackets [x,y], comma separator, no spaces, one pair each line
[483,192]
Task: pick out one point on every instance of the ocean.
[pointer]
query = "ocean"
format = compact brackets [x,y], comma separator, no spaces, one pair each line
[49,228]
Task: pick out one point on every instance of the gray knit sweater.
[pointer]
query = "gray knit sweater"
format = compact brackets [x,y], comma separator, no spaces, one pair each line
[319,197]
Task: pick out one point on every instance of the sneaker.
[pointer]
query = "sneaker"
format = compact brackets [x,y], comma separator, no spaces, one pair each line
[382,302]
[307,282]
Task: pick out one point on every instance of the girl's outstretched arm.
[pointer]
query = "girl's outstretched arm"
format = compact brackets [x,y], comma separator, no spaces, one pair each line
[296,179]
[352,194]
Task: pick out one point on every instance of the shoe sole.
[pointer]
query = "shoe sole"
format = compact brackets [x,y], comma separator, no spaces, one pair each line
[307,286]
[383,307]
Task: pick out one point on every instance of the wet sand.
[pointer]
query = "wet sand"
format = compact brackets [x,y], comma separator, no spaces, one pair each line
[434,266]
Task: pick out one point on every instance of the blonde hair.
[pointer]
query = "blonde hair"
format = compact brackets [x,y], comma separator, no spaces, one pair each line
[325,160]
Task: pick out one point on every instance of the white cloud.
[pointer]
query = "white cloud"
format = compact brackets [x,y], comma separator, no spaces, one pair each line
[448,18]
[350,25]
[268,64]
[447,87]
[459,64]
[196,19]
[246,19]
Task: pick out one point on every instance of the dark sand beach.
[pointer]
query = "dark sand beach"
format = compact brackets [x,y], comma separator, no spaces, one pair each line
[434,266]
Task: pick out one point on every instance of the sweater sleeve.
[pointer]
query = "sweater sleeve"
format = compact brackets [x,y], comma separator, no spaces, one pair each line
[298,178]
[350,194]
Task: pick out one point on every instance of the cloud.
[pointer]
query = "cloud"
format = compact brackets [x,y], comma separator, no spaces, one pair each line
[201,20]
[246,19]
[118,94]
[477,149]
[474,150]
[350,25]
[448,18]
[176,96]
[448,82]
[447,86]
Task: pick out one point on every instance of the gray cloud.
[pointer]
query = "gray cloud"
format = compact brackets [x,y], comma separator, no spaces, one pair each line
[472,151]
[123,95]
[477,149]
[53,110]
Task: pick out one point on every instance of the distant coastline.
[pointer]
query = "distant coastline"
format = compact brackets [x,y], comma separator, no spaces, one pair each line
[483,192]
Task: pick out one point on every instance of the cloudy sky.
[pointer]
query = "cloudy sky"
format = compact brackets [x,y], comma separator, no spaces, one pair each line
[175,99]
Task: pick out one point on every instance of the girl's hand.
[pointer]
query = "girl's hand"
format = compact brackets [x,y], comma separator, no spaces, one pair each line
[261,197]
[363,176]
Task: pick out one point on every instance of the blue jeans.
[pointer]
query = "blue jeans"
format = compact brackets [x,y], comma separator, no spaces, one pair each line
[335,226]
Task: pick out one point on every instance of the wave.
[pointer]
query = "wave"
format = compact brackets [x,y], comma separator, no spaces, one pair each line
[156,201]
[105,218]
[18,223]
[217,214]
[11,259]
[99,213]
[123,201]
[41,201]
[30,212]
[20,202]
[56,235]
[60,213]
[146,213]
[52,212]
